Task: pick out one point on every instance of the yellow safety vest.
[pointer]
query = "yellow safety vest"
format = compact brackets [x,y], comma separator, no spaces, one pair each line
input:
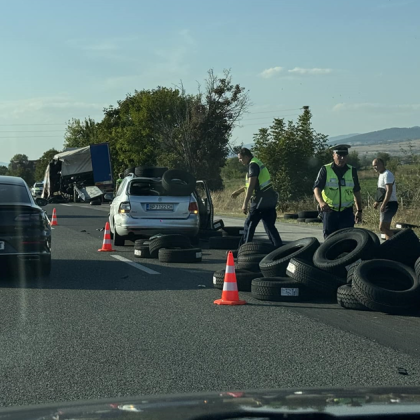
[264,179]
[338,197]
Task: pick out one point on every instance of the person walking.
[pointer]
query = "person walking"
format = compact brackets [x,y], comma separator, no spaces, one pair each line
[336,189]
[260,197]
[386,196]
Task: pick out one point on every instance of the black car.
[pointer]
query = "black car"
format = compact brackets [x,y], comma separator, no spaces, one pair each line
[25,232]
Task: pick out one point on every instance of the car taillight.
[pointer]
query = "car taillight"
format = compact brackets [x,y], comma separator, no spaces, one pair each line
[28,217]
[124,208]
[193,208]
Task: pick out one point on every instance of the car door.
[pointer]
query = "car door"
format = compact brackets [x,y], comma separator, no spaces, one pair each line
[205,205]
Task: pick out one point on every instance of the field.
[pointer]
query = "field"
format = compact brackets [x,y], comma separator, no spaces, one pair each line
[394,149]
[407,177]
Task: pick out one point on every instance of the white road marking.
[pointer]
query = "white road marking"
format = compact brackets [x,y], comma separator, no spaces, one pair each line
[68,205]
[135,265]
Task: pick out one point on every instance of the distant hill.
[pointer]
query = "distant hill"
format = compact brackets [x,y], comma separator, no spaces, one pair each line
[336,139]
[389,135]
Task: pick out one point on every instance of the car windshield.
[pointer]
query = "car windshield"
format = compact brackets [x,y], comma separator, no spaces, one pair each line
[10,193]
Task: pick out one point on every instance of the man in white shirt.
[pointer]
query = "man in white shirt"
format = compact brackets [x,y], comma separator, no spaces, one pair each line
[386,196]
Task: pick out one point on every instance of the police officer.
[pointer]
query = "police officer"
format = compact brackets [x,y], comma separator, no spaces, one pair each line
[336,189]
[261,198]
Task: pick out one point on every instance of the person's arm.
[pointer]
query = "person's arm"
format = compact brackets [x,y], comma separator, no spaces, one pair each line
[252,184]
[358,202]
[389,188]
[238,192]
[319,185]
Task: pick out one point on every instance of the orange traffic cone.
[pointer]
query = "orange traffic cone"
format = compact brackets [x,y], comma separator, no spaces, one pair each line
[54,219]
[106,245]
[230,295]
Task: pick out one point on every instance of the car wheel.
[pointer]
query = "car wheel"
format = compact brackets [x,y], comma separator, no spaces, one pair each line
[118,240]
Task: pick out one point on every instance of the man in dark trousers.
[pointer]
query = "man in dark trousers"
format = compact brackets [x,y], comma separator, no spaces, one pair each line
[261,198]
[336,189]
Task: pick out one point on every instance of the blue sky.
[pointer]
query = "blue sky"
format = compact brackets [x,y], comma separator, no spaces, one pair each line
[356,63]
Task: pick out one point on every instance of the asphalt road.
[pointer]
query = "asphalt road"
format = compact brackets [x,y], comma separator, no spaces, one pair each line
[101,327]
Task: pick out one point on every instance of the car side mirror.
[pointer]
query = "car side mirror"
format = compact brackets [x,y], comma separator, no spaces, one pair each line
[41,202]
[109,196]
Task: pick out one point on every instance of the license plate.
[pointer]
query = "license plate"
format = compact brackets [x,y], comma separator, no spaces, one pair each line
[163,207]
[1,246]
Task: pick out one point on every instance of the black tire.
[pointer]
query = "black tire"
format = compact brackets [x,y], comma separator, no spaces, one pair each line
[337,253]
[417,268]
[142,251]
[139,242]
[191,255]
[129,171]
[373,235]
[350,271]
[168,241]
[218,224]
[308,214]
[300,220]
[118,240]
[275,263]
[251,248]
[224,242]
[232,230]
[174,187]
[149,172]
[195,240]
[290,216]
[278,289]
[250,262]
[386,286]
[208,233]
[315,220]
[403,247]
[321,282]
[243,279]
[347,299]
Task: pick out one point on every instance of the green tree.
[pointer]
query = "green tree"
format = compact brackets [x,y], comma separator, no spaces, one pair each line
[386,157]
[20,166]
[4,170]
[81,133]
[233,169]
[293,153]
[43,162]
[354,159]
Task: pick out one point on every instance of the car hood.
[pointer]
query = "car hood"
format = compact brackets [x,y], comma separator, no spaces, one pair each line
[334,401]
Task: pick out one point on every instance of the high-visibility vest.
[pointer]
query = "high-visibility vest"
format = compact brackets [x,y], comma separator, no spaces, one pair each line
[338,195]
[264,179]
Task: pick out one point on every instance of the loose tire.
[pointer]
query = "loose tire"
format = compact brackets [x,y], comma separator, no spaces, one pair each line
[168,241]
[243,279]
[191,255]
[290,216]
[232,230]
[315,220]
[322,283]
[337,253]
[275,263]
[278,289]
[251,248]
[149,172]
[308,214]
[178,182]
[218,224]
[372,235]
[386,286]
[347,299]
[250,262]
[224,242]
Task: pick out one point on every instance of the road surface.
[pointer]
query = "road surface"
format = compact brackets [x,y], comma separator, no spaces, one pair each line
[101,327]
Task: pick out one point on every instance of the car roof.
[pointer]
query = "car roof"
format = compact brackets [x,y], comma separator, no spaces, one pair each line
[12,180]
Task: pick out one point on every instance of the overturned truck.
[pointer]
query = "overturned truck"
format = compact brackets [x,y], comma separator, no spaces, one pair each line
[83,173]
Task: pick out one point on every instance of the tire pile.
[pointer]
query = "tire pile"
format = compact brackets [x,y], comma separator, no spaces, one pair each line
[307,216]
[168,248]
[351,267]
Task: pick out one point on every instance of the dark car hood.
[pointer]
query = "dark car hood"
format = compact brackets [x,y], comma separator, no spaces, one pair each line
[336,402]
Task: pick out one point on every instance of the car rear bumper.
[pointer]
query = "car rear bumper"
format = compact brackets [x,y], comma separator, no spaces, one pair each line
[12,257]
[128,226]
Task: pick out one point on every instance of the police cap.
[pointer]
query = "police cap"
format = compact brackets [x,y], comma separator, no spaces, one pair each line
[341,148]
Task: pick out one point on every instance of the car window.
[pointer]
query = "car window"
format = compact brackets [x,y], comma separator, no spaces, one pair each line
[13,194]
[122,187]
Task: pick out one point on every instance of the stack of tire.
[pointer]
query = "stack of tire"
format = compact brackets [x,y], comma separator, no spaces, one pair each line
[307,216]
[168,248]
[247,267]
[228,238]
